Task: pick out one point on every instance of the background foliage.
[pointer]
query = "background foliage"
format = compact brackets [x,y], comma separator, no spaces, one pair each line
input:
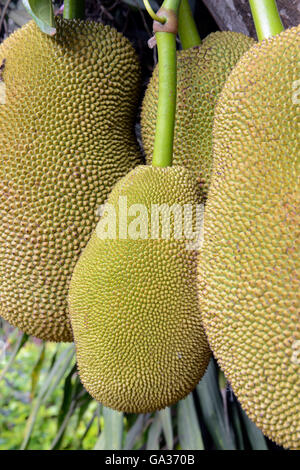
[44,406]
[42,402]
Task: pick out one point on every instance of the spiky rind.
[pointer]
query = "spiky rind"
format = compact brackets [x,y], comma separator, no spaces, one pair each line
[133,302]
[249,270]
[66,136]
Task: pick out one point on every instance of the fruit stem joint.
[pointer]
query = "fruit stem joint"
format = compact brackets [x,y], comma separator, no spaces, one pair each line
[170,25]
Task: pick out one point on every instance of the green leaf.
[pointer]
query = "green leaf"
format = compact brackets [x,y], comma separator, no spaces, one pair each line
[213,410]
[100,444]
[189,432]
[54,377]
[20,343]
[79,393]
[67,397]
[60,434]
[85,402]
[166,421]
[113,429]
[237,426]
[66,409]
[255,436]
[59,372]
[42,13]
[135,432]
[87,429]
[154,433]
[35,374]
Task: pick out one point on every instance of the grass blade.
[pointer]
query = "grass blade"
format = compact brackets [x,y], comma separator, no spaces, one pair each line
[113,429]
[100,444]
[59,372]
[154,433]
[213,410]
[65,410]
[20,343]
[135,432]
[189,432]
[256,437]
[54,377]
[59,436]
[69,392]
[237,426]
[166,421]
[87,429]
[37,370]
[85,402]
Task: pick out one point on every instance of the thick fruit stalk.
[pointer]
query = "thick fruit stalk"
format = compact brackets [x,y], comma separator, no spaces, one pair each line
[266,18]
[165,121]
[187,29]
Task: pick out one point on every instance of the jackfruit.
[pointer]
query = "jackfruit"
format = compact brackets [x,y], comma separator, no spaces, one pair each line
[201,74]
[66,136]
[133,301]
[249,267]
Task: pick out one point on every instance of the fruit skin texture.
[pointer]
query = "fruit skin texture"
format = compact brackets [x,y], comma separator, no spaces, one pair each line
[249,267]
[201,74]
[66,137]
[134,308]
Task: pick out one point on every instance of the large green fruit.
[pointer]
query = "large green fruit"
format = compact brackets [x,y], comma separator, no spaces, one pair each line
[250,265]
[66,137]
[133,298]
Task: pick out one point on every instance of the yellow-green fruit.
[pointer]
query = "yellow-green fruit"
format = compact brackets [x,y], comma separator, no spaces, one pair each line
[249,267]
[133,301]
[66,136]
[201,74]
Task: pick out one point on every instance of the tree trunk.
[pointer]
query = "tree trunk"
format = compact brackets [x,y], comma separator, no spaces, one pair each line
[235,15]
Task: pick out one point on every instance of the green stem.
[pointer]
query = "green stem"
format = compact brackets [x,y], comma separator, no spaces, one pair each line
[187,28]
[165,122]
[266,18]
[153,15]
[74,9]
[172,5]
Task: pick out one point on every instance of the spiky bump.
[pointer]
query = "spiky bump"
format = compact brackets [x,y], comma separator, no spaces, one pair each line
[133,302]
[201,74]
[66,136]
[249,267]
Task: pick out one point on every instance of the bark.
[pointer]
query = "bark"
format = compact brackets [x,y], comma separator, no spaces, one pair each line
[235,15]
